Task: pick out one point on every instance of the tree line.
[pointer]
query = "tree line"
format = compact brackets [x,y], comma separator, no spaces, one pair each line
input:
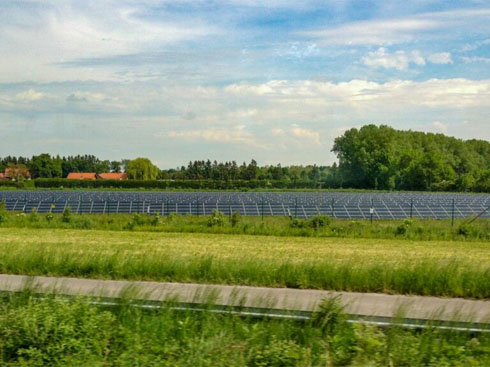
[380,157]
[372,157]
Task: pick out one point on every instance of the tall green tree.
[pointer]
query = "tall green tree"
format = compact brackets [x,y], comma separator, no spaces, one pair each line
[44,166]
[142,169]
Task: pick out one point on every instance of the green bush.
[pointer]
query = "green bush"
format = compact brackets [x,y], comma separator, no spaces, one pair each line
[402,229]
[155,219]
[463,230]
[49,217]
[298,223]
[67,216]
[319,221]
[3,212]
[235,219]
[217,219]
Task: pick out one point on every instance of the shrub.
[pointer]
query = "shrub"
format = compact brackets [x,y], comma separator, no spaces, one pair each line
[298,223]
[67,215]
[155,220]
[319,221]
[402,229]
[3,212]
[235,219]
[33,216]
[277,353]
[217,219]
[463,230]
[49,217]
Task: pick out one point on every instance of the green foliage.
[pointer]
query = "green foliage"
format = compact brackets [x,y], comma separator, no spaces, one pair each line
[136,220]
[53,333]
[67,215]
[33,216]
[155,219]
[463,230]
[49,217]
[381,157]
[319,221]
[217,219]
[141,169]
[235,219]
[455,269]
[59,332]
[316,222]
[277,353]
[44,166]
[402,229]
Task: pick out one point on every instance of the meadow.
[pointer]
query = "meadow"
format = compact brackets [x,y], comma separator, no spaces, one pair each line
[319,226]
[438,268]
[57,332]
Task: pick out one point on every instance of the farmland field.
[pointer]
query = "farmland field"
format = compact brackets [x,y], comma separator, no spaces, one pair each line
[441,268]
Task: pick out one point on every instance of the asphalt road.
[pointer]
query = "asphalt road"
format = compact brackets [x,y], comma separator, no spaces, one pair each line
[285,299]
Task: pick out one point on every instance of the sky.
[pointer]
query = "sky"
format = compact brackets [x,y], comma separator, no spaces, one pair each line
[272,80]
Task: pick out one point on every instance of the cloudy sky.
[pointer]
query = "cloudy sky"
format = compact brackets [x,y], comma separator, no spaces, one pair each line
[181,80]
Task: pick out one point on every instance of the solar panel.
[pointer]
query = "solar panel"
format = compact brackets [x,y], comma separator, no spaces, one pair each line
[295,204]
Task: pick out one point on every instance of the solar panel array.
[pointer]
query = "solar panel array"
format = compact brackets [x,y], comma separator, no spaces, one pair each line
[294,204]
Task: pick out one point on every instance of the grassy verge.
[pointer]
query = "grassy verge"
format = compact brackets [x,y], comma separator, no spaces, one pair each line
[438,268]
[52,332]
[416,229]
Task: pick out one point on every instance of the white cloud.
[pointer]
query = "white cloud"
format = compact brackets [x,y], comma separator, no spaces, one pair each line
[470,59]
[309,135]
[30,95]
[399,60]
[440,126]
[374,32]
[440,58]
[399,30]
[212,134]
[66,31]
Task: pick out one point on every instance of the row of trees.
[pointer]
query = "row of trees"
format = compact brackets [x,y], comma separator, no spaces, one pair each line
[45,166]
[381,157]
[372,157]
[207,170]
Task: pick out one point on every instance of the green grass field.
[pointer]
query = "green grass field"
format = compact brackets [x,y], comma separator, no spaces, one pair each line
[440,268]
[416,229]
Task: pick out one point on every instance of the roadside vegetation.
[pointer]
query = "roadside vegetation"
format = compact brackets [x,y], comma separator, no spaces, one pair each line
[436,268]
[58,332]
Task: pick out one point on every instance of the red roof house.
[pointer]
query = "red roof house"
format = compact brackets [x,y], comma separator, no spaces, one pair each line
[15,173]
[112,176]
[81,176]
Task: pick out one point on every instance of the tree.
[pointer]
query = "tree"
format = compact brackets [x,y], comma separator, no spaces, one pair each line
[45,167]
[141,169]
[116,166]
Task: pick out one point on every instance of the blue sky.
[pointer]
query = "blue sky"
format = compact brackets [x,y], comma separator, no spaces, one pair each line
[236,80]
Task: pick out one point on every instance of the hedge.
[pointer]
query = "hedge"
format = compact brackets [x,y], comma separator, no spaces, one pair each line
[16,184]
[169,184]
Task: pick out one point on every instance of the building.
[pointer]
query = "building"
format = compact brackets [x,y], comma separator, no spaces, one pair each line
[97,176]
[15,174]
[2,176]
[112,176]
[82,176]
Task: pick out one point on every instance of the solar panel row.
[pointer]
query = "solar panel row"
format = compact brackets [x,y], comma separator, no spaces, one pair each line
[302,205]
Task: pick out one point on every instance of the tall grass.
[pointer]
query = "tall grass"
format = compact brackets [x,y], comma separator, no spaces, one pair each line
[454,269]
[53,332]
[416,229]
